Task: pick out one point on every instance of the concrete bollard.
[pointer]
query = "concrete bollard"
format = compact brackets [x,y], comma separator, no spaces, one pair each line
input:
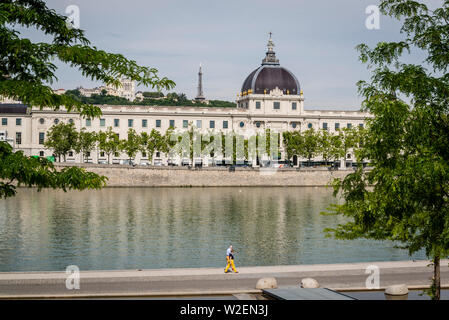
[395,292]
[309,283]
[267,283]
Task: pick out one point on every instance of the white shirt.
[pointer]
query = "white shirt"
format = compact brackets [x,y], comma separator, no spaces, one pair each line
[228,252]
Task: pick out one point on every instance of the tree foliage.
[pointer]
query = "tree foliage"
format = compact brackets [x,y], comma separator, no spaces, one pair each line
[61,138]
[131,145]
[86,142]
[18,170]
[27,69]
[405,197]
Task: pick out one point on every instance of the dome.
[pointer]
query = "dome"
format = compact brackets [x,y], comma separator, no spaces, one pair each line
[271,75]
[268,77]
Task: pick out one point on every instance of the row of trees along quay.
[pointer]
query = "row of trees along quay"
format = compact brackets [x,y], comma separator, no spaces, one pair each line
[403,198]
[64,138]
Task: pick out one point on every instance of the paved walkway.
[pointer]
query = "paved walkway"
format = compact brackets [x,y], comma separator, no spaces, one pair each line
[203,281]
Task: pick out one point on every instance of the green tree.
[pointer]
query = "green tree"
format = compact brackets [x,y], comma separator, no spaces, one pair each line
[182,97]
[309,146]
[153,94]
[86,142]
[336,151]
[108,142]
[325,146]
[348,140]
[292,141]
[172,96]
[61,138]
[150,143]
[405,197]
[167,142]
[26,70]
[131,145]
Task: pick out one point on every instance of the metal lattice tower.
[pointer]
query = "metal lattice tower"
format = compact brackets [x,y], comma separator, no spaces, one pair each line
[200,95]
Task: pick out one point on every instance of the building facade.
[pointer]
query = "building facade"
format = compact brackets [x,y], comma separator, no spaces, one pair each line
[270,98]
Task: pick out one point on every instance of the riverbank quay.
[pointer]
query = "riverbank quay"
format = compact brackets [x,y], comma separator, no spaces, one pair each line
[173,176]
[203,282]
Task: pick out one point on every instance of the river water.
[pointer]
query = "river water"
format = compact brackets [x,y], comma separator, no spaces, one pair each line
[147,228]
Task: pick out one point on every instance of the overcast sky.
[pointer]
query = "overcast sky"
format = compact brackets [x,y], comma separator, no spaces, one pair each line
[314,39]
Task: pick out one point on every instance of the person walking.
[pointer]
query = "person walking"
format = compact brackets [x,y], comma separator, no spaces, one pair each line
[230,260]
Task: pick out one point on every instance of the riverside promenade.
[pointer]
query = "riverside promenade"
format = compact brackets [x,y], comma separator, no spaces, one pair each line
[212,281]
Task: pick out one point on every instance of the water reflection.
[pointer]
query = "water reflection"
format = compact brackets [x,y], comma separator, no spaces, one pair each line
[133,228]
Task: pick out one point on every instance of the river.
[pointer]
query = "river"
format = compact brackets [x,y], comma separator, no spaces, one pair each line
[147,228]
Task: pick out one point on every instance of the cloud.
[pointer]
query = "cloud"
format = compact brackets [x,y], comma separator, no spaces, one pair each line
[314,39]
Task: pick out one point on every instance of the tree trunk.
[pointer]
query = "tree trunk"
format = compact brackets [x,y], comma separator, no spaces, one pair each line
[436,277]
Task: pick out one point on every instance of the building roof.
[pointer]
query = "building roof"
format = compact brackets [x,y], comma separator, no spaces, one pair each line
[270,75]
[13,108]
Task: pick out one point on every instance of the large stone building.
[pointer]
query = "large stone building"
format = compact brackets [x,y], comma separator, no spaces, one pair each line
[270,98]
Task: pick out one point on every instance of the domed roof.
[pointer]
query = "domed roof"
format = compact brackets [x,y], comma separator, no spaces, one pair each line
[271,75]
[268,78]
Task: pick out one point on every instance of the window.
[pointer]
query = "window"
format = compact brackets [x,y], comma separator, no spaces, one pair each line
[70,153]
[71,121]
[212,124]
[88,154]
[337,126]
[144,123]
[294,125]
[116,154]
[225,124]
[242,124]
[56,121]
[158,154]
[41,137]
[185,123]
[349,125]
[130,123]
[41,153]
[309,126]
[294,106]
[102,154]
[257,104]
[102,122]
[4,121]
[41,120]
[116,122]
[144,154]
[172,123]
[18,137]
[18,121]
[88,122]
[258,124]
[324,125]
[198,123]
[361,125]
[276,105]
[158,123]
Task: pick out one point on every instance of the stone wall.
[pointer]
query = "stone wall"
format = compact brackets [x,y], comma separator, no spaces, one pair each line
[127,176]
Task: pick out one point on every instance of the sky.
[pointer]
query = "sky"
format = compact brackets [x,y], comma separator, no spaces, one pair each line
[314,39]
